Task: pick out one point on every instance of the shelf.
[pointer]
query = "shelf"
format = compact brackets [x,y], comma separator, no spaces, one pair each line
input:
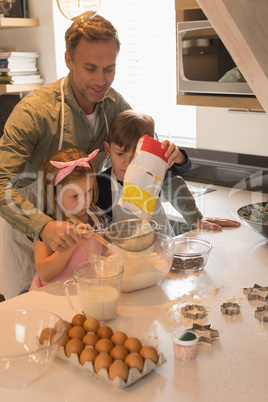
[6,23]
[11,88]
[230,102]
[186,5]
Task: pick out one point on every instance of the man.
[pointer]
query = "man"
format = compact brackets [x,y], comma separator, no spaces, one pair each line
[71,112]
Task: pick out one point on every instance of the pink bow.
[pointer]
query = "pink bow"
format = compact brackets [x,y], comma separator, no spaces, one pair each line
[68,167]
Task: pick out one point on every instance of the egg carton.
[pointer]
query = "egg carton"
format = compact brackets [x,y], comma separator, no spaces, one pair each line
[133,376]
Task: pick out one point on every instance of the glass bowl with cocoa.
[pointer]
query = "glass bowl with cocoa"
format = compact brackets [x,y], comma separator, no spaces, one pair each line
[190,254]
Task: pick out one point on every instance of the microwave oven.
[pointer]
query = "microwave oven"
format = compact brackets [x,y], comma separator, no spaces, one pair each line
[204,64]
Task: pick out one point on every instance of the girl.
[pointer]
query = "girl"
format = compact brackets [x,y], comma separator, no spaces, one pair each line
[70,193]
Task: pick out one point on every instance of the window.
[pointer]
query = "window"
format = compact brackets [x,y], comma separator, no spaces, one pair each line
[146,67]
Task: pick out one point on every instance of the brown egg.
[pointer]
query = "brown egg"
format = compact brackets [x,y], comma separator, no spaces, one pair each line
[105,332]
[74,346]
[119,338]
[104,345]
[90,339]
[119,352]
[68,326]
[133,345]
[58,326]
[78,319]
[118,369]
[47,334]
[64,340]
[88,355]
[149,352]
[103,360]
[134,360]
[77,332]
[91,324]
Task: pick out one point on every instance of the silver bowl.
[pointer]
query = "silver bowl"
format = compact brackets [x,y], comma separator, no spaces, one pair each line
[132,234]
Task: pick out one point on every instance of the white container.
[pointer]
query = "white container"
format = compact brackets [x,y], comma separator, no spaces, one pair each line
[185,345]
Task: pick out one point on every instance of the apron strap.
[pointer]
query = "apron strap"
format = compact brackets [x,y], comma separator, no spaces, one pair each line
[62,114]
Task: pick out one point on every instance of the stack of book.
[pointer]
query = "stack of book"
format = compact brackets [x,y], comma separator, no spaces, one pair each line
[19,68]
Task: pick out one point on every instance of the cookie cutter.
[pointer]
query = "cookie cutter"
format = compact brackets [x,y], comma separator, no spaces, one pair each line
[230,308]
[187,311]
[253,295]
[260,313]
[212,333]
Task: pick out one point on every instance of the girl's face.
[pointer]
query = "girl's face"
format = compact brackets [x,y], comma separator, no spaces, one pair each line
[76,197]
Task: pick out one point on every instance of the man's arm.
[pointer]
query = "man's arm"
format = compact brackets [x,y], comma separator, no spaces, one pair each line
[16,147]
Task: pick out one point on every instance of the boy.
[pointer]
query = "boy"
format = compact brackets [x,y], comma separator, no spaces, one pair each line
[124,133]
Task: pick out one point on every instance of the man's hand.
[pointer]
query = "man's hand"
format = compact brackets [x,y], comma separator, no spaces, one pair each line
[215,224]
[173,153]
[60,235]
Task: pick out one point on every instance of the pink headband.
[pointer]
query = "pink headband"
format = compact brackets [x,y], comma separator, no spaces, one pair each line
[68,167]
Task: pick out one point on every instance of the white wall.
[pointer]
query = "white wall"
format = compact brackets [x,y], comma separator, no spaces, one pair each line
[241,132]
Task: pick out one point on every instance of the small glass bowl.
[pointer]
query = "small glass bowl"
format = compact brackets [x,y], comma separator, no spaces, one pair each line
[190,254]
[22,357]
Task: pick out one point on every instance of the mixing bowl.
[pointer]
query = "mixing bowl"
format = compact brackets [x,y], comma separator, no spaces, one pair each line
[22,358]
[255,216]
[145,268]
[190,254]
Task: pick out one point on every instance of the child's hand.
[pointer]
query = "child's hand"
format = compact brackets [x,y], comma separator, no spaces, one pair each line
[173,153]
[84,230]
[215,224]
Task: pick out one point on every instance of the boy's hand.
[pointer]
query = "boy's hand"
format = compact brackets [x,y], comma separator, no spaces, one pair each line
[215,224]
[173,153]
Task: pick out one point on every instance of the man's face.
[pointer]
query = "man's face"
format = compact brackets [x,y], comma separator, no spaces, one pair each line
[92,71]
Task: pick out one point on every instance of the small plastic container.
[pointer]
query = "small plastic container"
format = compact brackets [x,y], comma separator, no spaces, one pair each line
[185,345]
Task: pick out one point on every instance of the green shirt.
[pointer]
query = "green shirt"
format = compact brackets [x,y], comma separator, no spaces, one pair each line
[31,135]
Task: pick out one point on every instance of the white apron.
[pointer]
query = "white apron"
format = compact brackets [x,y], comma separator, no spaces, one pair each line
[18,250]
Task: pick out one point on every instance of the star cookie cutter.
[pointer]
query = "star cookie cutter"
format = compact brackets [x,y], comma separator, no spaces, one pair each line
[254,293]
[262,313]
[209,334]
[230,308]
[188,311]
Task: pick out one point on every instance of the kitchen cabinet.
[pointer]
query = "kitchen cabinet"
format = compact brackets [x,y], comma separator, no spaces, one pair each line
[189,10]
[242,27]
[15,23]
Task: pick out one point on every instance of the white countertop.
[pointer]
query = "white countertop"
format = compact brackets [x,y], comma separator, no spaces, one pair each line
[233,368]
[222,202]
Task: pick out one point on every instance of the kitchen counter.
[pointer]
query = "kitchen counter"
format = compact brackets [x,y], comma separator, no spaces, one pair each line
[233,367]
[217,201]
